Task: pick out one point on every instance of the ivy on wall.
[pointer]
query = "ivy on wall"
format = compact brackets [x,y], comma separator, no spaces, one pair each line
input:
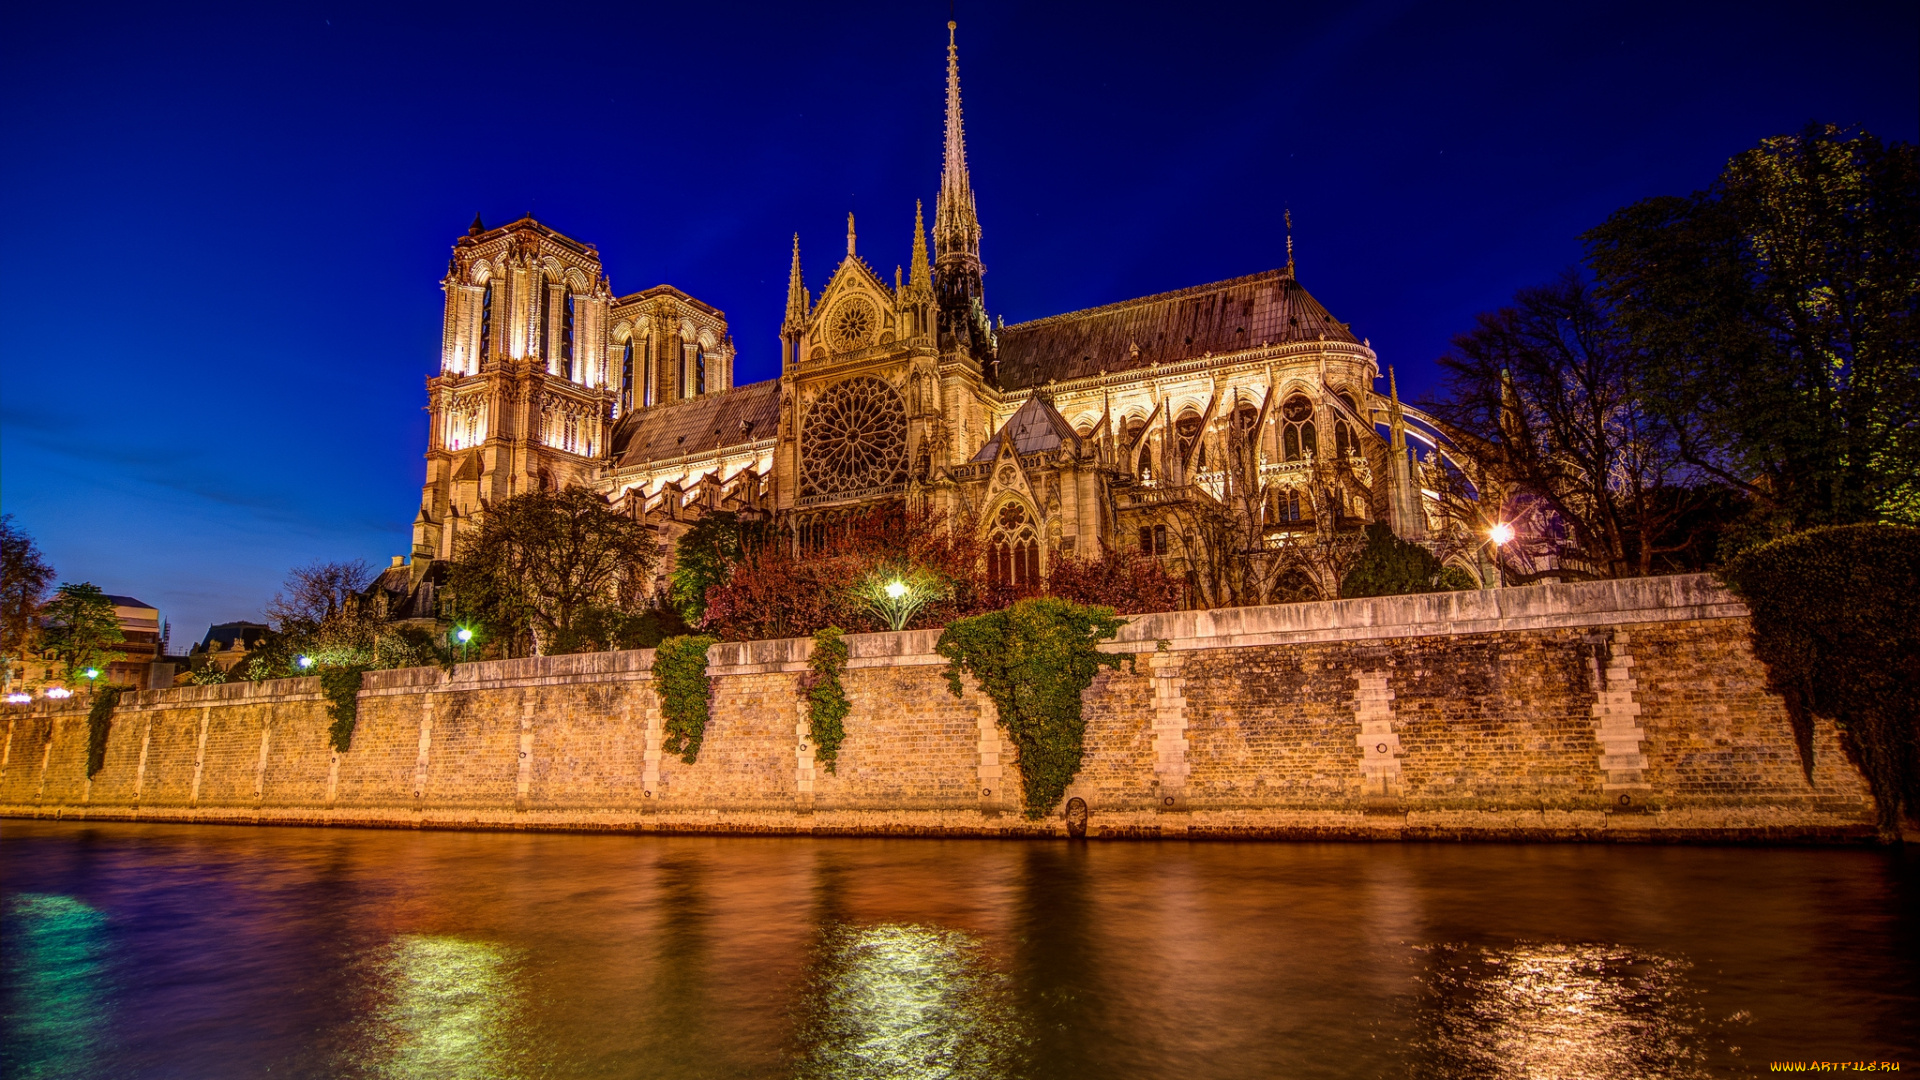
[1836,619]
[341,686]
[99,724]
[827,704]
[1034,660]
[680,678]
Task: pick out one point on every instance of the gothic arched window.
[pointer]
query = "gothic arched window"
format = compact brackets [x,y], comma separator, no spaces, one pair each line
[646,366]
[1298,440]
[626,377]
[486,323]
[566,336]
[1187,430]
[1345,441]
[699,371]
[1013,552]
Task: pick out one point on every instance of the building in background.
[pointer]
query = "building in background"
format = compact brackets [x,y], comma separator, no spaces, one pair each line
[227,644]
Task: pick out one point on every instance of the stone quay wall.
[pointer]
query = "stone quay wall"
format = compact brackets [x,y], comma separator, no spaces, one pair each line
[1630,710]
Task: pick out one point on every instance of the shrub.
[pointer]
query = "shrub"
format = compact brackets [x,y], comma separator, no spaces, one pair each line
[680,678]
[827,704]
[1836,619]
[1390,566]
[1122,580]
[1034,660]
[341,685]
[99,724]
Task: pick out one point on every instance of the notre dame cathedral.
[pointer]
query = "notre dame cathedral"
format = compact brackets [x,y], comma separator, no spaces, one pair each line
[1100,428]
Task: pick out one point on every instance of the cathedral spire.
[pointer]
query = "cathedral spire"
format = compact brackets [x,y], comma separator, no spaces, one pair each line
[956,225]
[1290,246]
[797,299]
[849,232]
[921,278]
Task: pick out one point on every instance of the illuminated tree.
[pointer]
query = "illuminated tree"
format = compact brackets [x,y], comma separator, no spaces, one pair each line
[24,577]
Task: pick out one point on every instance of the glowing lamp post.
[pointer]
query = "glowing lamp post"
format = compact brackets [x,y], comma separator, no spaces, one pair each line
[1501,535]
[463,636]
[899,596]
[304,662]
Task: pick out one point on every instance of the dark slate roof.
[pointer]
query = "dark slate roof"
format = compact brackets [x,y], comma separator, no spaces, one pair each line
[1034,427]
[1223,317]
[224,634]
[126,601]
[742,414]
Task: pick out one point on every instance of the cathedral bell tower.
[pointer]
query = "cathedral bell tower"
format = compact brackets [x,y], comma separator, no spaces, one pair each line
[522,400]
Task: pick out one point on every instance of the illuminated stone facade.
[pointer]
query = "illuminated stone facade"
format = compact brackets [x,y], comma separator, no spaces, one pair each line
[1118,426]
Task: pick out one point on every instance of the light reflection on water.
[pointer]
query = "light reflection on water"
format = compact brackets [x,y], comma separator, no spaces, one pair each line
[203,953]
[58,999]
[907,1002]
[446,1011]
[1562,1011]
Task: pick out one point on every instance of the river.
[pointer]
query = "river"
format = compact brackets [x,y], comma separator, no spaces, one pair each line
[206,952]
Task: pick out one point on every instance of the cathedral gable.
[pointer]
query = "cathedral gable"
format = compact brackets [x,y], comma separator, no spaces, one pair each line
[855,311]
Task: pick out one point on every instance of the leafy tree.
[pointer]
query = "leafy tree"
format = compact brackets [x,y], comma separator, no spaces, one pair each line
[81,629]
[703,557]
[541,562]
[1776,313]
[1548,396]
[1836,619]
[24,577]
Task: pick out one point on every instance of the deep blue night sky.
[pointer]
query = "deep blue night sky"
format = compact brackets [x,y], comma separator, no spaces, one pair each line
[229,225]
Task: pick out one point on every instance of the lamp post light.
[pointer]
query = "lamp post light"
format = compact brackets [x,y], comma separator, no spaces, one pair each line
[897,598]
[463,636]
[303,661]
[1501,534]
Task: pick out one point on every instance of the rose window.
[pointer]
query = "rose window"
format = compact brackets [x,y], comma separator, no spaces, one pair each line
[853,324]
[854,438]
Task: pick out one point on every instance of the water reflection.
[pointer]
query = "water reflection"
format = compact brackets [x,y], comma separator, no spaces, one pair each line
[905,1001]
[447,1011]
[1571,1012]
[57,994]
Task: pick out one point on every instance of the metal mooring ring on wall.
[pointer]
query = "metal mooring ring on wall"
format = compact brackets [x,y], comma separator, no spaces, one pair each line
[985,791]
[1626,800]
[1382,748]
[1169,800]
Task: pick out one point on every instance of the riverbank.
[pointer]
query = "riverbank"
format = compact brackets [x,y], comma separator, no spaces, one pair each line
[1607,711]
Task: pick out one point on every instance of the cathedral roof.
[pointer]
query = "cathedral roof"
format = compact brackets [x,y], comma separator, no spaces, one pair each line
[1034,427]
[1226,316]
[699,425]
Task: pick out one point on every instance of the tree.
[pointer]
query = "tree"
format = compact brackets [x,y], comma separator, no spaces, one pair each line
[1549,397]
[24,577]
[318,592]
[702,558]
[81,630]
[1776,315]
[542,561]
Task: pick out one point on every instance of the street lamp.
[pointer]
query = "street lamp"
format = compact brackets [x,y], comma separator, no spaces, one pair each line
[303,661]
[463,636]
[91,673]
[898,596]
[1500,534]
